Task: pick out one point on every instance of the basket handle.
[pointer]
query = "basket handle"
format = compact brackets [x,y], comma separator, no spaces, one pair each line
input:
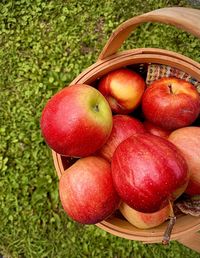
[187,19]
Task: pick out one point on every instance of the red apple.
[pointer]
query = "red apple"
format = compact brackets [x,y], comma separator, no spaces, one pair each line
[123,127]
[145,220]
[187,139]
[171,103]
[123,90]
[148,171]
[87,192]
[156,130]
[73,117]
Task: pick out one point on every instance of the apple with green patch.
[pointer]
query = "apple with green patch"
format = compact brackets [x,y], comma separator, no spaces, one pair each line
[76,121]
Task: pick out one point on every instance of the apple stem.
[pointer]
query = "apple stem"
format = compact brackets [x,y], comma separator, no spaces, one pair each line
[170,88]
[96,108]
[167,234]
[168,231]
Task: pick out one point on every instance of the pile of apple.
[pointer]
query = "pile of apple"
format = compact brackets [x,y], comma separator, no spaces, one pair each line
[137,147]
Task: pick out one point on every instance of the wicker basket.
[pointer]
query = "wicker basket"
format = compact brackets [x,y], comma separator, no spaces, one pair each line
[186,227]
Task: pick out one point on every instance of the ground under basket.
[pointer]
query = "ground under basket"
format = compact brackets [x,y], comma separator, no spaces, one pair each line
[186,228]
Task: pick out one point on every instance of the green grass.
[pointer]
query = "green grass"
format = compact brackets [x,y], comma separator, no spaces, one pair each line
[44,45]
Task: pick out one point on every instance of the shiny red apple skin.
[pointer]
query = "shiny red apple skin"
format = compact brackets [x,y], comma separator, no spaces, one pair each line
[171,103]
[123,127]
[156,130]
[87,192]
[73,117]
[123,89]
[187,139]
[148,171]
